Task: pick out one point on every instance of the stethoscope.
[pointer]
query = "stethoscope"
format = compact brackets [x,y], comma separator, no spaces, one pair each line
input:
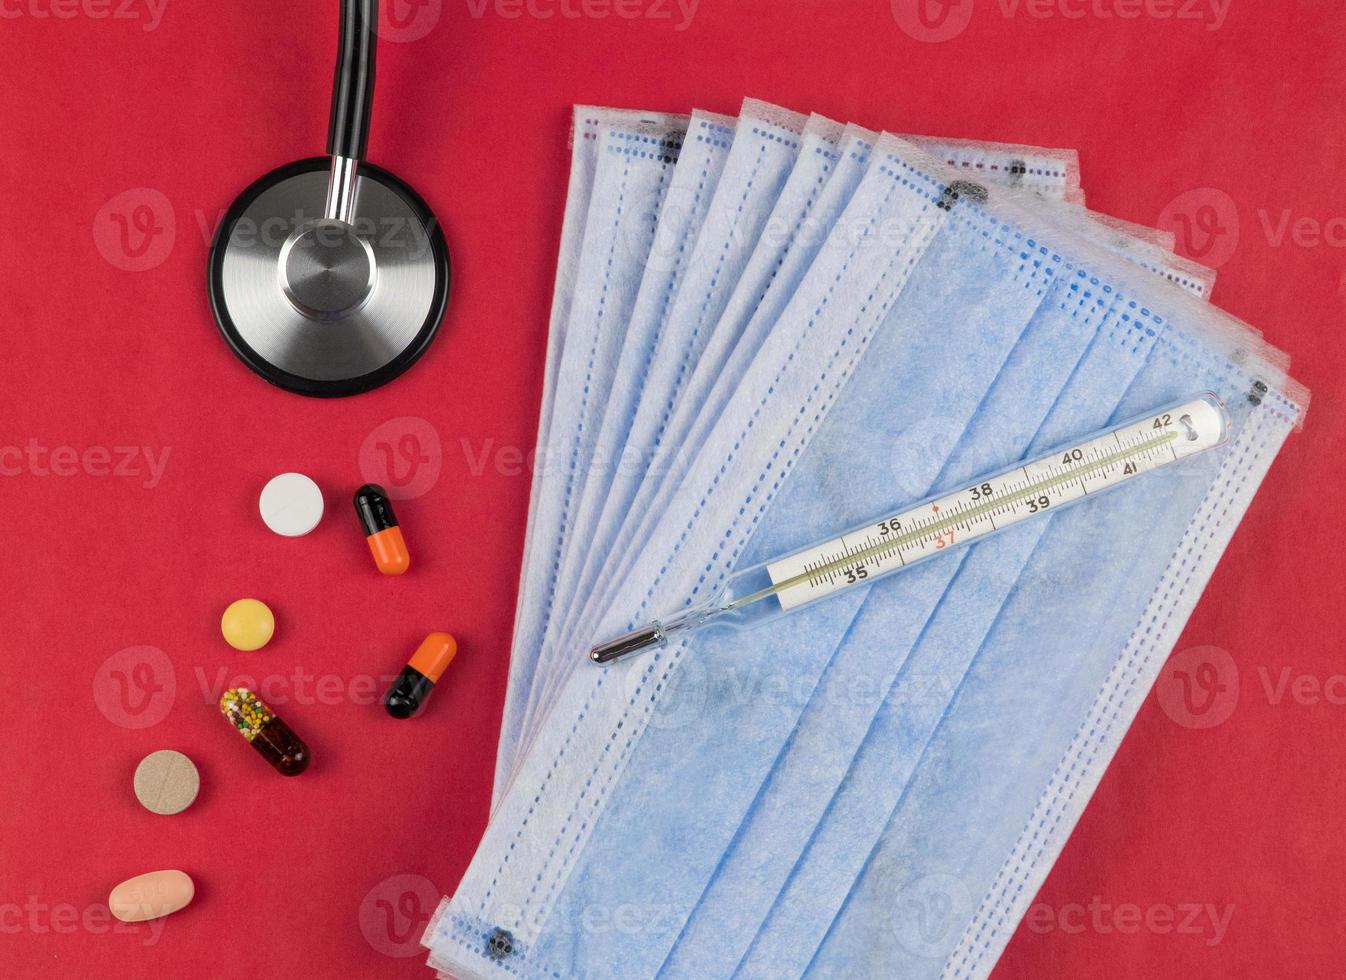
[329,276]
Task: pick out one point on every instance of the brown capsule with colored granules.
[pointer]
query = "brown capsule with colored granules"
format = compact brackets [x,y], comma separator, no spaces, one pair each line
[382,532]
[274,740]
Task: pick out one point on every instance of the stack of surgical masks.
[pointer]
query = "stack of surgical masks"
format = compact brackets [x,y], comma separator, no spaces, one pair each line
[767,330]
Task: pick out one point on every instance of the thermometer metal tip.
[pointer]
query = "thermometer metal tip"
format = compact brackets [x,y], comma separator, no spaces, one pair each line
[633,642]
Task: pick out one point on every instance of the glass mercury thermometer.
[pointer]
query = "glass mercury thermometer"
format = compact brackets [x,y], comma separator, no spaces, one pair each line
[860,556]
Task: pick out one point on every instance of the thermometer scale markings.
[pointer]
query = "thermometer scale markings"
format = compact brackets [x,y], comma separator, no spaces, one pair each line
[1013,496]
[871,551]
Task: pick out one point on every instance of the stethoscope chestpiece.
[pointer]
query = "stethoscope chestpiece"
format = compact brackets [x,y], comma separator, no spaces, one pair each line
[329,276]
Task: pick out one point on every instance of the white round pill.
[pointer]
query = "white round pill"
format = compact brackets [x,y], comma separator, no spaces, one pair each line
[291,504]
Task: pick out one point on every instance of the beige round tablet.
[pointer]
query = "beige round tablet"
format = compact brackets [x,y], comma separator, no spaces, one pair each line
[166,782]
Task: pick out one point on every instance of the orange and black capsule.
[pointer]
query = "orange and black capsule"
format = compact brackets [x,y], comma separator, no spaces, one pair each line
[418,677]
[381,530]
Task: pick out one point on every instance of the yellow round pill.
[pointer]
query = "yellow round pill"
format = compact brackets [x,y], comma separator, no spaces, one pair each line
[247,624]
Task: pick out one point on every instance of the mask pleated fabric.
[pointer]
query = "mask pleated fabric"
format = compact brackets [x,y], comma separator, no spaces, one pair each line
[1077,332]
[632,161]
[763,151]
[1050,169]
[583,160]
[655,275]
[1059,344]
[876,784]
[826,169]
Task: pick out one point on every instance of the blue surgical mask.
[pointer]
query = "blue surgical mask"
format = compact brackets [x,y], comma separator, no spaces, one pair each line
[632,164]
[1080,352]
[1079,695]
[829,165]
[683,204]
[1079,342]
[942,302]
[1073,324]
[583,160]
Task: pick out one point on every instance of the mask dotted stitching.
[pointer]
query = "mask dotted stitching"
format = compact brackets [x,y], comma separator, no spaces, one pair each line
[1066,780]
[630,145]
[1132,304]
[743,511]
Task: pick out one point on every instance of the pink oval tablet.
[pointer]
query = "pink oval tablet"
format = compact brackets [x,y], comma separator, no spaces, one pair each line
[150,896]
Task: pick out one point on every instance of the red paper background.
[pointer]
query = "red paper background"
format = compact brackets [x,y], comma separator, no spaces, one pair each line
[294,875]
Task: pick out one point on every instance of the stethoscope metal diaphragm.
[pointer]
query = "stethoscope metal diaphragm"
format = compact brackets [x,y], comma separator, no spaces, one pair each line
[330,276]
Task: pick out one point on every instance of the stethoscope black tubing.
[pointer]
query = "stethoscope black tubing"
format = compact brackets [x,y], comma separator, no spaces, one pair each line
[353,84]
